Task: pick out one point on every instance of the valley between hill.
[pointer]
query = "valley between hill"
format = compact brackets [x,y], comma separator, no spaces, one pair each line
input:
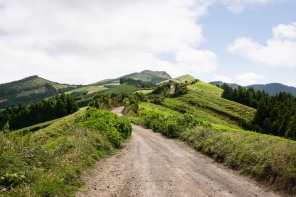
[153,165]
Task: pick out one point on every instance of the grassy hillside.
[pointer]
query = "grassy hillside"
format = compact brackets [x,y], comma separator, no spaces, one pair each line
[149,76]
[205,102]
[28,84]
[47,159]
[30,90]
[121,89]
[180,79]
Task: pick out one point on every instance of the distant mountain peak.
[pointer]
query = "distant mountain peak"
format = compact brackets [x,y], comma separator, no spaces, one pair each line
[149,76]
[270,88]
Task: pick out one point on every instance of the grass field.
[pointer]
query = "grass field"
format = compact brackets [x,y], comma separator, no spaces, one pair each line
[122,88]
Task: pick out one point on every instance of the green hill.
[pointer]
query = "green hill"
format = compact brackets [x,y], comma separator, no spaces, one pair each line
[205,102]
[29,90]
[181,79]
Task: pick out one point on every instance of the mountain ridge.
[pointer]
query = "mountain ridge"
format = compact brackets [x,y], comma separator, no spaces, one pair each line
[270,88]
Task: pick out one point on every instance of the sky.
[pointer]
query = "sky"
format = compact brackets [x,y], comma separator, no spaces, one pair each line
[82,42]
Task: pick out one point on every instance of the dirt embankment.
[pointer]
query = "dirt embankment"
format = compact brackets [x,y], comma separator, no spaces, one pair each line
[152,165]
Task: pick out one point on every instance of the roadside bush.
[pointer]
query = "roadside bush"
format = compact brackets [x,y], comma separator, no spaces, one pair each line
[172,125]
[116,128]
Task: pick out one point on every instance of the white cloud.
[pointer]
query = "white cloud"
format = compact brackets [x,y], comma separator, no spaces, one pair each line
[196,61]
[221,78]
[279,51]
[84,41]
[237,6]
[283,31]
[249,78]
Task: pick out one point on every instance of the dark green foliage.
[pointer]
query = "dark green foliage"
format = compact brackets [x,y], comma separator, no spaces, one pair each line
[131,102]
[180,89]
[116,128]
[24,115]
[248,97]
[275,114]
[171,90]
[101,101]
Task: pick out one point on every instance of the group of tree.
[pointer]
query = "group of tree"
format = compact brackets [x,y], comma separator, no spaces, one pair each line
[26,115]
[137,83]
[248,96]
[275,115]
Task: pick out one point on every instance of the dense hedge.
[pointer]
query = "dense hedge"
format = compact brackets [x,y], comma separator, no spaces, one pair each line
[116,128]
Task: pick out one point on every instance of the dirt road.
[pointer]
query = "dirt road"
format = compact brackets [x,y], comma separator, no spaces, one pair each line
[152,165]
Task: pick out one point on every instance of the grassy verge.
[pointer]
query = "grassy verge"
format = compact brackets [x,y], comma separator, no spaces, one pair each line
[48,162]
[267,158]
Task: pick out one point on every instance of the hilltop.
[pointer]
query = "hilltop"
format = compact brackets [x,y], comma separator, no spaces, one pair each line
[181,79]
[35,88]
[149,76]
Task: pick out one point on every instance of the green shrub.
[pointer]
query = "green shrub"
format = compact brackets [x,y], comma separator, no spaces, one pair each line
[116,128]
[170,125]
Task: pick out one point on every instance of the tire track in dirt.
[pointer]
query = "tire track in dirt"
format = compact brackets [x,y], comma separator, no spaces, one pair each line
[152,165]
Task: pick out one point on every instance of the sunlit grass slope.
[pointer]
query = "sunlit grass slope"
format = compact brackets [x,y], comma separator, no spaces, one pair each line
[180,79]
[205,102]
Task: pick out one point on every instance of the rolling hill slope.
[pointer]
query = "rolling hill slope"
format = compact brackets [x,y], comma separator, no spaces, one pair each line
[29,90]
[149,76]
[205,102]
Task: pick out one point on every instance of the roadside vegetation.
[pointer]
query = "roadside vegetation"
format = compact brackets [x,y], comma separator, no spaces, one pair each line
[269,159]
[212,125]
[48,161]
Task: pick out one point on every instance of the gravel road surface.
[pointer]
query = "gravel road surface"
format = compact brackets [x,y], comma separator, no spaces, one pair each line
[152,165]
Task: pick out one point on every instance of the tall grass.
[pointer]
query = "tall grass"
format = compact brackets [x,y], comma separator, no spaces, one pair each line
[268,158]
[49,162]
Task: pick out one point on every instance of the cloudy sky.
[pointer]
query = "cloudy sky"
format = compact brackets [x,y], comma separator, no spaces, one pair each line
[81,42]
